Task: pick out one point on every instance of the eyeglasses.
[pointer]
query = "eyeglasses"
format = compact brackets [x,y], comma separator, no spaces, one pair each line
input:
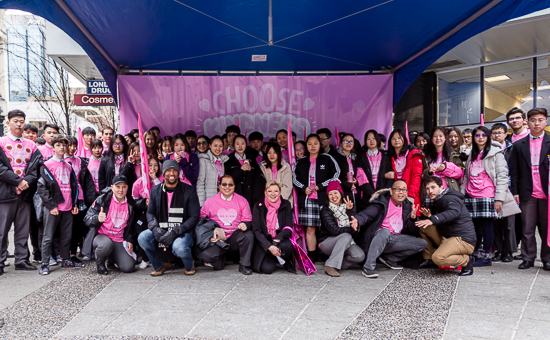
[467,137]
[534,120]
[515,118]
[480,135]
[325,139]
[403,190]
[118,144]
[348,141]
[227,185]
[202,143]
[497,133]
[300,149]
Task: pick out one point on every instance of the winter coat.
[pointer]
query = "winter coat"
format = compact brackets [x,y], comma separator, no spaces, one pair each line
[451,217]
[330,227]
[259,227]
[284,178]
[107,174]
[87,183]
[9,180]
[412,173]
[367,189]
[49,191]
[191,168]
[371,219]
[204,232]
[249,184]
[207,183]
[326,170]
[451,172]
[342,161]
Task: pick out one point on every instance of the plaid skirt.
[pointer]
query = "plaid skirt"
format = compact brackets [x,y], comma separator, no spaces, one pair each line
[481,207]
[310,215]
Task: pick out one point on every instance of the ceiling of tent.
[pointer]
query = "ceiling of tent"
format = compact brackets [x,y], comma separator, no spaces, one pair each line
[320,35]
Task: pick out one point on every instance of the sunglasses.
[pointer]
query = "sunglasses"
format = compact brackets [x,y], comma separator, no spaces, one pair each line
[227,184]
[118,144]
[479,135]
[348,141]
[202,143]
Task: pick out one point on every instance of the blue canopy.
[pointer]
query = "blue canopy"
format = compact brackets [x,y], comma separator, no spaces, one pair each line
[401,36]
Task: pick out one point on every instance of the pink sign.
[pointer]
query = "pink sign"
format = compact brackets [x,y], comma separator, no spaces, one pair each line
[208,104]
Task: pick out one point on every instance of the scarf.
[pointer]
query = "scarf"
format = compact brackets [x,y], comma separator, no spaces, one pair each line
[339,212]
[271,217]
[169,217]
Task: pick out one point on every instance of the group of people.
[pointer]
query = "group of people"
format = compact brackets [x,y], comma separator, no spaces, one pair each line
[454,198]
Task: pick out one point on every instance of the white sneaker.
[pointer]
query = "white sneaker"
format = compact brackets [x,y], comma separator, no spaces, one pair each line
[6,264]
[144,265]
[208,265]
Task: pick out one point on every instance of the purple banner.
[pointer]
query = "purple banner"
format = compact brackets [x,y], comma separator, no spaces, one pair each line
[208,104]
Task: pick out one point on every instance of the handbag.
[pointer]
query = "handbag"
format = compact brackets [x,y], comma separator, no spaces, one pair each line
[303,262]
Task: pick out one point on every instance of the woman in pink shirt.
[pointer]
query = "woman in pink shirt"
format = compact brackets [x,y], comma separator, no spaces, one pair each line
[485,187]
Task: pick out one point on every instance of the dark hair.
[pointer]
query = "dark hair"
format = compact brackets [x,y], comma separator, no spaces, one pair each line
[40,141]
[459,134]
[399,180]
[155,128]
[376,136]
[134,131]
[226,176]
[166,138]
[497,126]
[16,113]
[468,130]
[31,127]
[255,136]
[240,136]
[355,149]
[214,138]
[205,137]
[190,133]
[152,157]
[96,143]
[59,139]
[277,150]
[404,149]
[72,141]
[537,111]
[89,131]
[51,126]
[325,131]
[475,149]
[183,139]
[109,128]
[431,151]
[132,138]
[382,138]
[433,179]
[304,144]
[131,148]
[281,130]
[514,110]
[425,136]
[233,128]
[294,136]
[155,139]
[111,153]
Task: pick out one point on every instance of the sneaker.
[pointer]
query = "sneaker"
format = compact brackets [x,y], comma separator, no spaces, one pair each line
[208,265]
[58,259]
[483,263]
[144,265]
[69,264]
[75,259]
[371,274]
[10,255]
[37,260]
[190,272]
[53,262]
[6,264]
[86,258]
[390,264]
[44,269]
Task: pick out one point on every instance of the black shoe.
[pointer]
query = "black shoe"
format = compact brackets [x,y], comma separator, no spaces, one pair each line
[507,258]
[518,257]
[428,264]
[25,265]
[69,264]
[37,260]
[10,256]
[111,265]
[526,265]
[546,265]
[76,260]
[497,256]
[1,270]
[245,270]
[101,270]
[468,269]
[390,264]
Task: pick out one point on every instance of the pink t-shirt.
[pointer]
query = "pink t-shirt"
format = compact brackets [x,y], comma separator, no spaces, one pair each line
[394,218]
[259,159]
[400,164]
[524,134]
[480,184]
[312,167]
[86,153]
[437,163]
[46,151]
[228,214]
[76,163]
[535,146]
[117,220]
[62,173]
[18,153]
[274,173]
[169,196]
[138,189]
[374,162]
[93,168]
[284,153]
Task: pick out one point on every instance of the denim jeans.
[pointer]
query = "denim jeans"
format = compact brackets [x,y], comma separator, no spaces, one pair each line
[181,247]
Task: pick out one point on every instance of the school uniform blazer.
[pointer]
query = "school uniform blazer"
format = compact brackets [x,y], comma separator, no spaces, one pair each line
[520,167]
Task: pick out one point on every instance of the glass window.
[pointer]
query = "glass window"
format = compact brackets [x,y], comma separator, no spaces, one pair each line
[459,98]
[543,80]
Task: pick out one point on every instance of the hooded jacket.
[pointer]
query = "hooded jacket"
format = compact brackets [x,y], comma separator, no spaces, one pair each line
[207,182]
[49,191]
[451,217]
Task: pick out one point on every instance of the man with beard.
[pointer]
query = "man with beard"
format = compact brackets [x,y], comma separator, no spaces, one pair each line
[172,215]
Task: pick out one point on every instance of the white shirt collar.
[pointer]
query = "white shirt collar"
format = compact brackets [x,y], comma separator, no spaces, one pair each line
[373,153]
[13,138]
[533,137]
[226,199]
[239,157]
[57,159]
[125,200]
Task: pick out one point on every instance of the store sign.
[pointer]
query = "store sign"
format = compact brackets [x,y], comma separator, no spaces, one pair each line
[97,87]
[93,100]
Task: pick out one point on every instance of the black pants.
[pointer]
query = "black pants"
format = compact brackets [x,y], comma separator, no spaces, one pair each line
[17,212]
[505,235]
[79,231]
[243,241]
[485,233]
[62,222]
[105,248]
[269,262]
[37,230]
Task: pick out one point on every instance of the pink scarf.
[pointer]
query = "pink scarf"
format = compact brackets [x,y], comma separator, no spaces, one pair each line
[271,217]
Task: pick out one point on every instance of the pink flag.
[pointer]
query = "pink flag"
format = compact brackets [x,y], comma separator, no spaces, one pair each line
[548,238]
[80,147]
[337,136]
[144,161]
[237,121]
[305,136]
[298,231]
[482,120]
[407,131]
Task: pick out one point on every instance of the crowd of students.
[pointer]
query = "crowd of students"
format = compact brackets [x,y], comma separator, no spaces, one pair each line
[453,198]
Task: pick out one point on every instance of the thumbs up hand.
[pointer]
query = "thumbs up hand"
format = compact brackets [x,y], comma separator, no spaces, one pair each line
[102,216]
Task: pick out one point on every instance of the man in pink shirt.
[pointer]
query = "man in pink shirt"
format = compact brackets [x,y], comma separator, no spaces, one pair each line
[46,150]
[389,215]
[232,213]
[516,119]
[529,174]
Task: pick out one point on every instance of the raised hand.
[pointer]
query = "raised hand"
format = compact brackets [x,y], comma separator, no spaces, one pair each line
[426,212]
[102,216]
[159,155]
[132,157]
[354,223]
[177,157]
[414,211]
[349,203]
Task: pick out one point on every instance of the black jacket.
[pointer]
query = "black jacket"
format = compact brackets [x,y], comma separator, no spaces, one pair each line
[451,217]
[520,167]
[342,162]
[9,180]
[370,219]
[107,173]
[259,225]
[249,184]
[367,189]
[191,209]
[86,182]
[330,227]
[326,170]
[205,231]
[90,220]
[49,191]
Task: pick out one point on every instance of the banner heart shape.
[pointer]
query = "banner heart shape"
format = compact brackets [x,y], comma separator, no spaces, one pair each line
[227,216]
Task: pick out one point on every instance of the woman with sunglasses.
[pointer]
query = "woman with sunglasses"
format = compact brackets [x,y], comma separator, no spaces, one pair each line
[406,164]
[486,188]
[115,162]
[211,169]
[202,144]
[274,168]
[346,157]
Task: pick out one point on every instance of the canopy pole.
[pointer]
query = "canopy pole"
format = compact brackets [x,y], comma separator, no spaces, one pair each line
[270,24]
[86,33]
[457,28]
